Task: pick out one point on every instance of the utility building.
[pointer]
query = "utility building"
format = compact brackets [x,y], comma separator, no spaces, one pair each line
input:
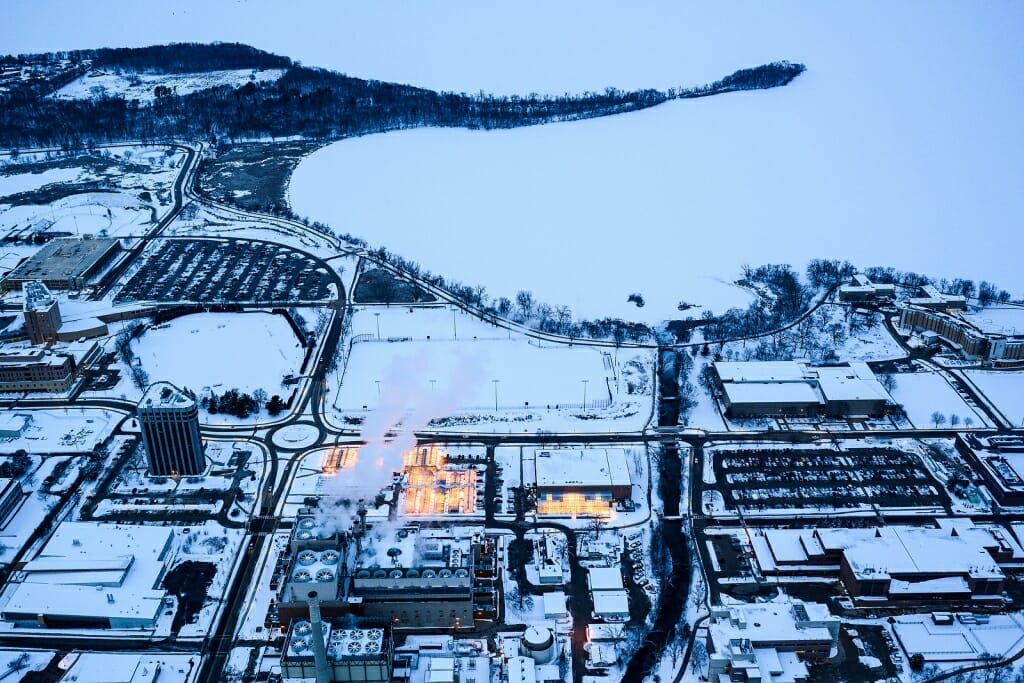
[169,419]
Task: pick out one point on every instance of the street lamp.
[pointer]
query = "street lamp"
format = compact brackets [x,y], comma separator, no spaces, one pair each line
[495,393]
[585,393]
[378,325]
[455,329]
[432,383]
[378,387]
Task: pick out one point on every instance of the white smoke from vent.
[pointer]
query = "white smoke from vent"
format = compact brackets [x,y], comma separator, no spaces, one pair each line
[412,393]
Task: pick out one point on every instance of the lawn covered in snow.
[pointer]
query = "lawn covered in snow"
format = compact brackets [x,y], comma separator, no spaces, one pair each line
[141,86]
[204,352]
[923,393]
[1004,389]
[869,156]
[464,372]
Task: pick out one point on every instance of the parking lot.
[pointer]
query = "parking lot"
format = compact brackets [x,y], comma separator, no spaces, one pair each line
[764,480]
[226,270]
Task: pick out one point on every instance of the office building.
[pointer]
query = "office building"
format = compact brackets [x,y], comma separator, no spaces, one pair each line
[42,314]
[169,420]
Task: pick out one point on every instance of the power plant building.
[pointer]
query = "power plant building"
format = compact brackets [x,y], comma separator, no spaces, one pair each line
[169,420]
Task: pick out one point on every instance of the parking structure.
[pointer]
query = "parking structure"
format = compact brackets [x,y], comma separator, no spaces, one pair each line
[242,271]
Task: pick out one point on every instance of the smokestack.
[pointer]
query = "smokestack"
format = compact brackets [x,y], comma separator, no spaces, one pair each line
[323,673]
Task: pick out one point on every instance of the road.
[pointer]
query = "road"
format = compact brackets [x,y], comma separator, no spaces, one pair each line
[310,404]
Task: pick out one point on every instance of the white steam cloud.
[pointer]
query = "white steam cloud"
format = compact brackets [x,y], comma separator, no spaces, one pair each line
[409,400]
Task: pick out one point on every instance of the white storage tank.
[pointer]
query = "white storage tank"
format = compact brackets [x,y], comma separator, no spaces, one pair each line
[538,644]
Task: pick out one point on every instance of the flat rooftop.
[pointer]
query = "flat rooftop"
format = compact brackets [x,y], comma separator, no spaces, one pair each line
[64,259]
[582,467]
[740,393]
[165,395]
[37,296]
[764,371]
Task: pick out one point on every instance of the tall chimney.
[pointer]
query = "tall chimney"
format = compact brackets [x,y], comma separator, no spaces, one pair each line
[323,673]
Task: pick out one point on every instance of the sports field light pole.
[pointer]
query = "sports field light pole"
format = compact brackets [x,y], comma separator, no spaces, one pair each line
[495,393]
[455,329]
[378,387]
[378,325]
[585,393]
[432,383]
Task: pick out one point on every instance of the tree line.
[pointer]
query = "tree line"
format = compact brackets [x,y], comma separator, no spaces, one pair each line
[309,102]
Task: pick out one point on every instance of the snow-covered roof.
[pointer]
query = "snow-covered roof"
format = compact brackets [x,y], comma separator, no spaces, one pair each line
[740,393]
[777,622]
[604,578]
[165,395]
[760,371]
[95,569]
[611,603]
[586,467]
[854,382]
[554,605]
[903,550]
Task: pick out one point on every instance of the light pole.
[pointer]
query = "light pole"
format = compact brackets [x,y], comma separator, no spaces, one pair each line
[378,387]
[455,329]
[432,383]
[378,325]
[585,393]
[495,393]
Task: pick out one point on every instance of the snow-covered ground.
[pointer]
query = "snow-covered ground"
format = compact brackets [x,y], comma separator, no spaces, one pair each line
[60,430]
[203,352]
[659,201]
[482,375]
[1004,389]
[443,364]
[120,209]
[140,86]
[923,393]
[97,667]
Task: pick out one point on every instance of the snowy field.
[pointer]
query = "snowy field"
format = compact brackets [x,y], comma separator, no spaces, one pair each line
[658,202]
[464,374]
[61,430]
[121,209]
[1004,389]
[99,667]
[201,352]
[923,393]
[140,86]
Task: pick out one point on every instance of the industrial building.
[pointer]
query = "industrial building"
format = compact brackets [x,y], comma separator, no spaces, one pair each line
[575,481]
[769,642]
[53,370]
[797,389]
[863,290]
[42,314]
[169,420]
[444,659]
[1000,462]
[956,561]
[413,578]
[92,575]
[608,593]
[64,263]
[995,334]
[363,653]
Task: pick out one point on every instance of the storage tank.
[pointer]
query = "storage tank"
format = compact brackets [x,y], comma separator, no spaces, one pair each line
[538,644]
